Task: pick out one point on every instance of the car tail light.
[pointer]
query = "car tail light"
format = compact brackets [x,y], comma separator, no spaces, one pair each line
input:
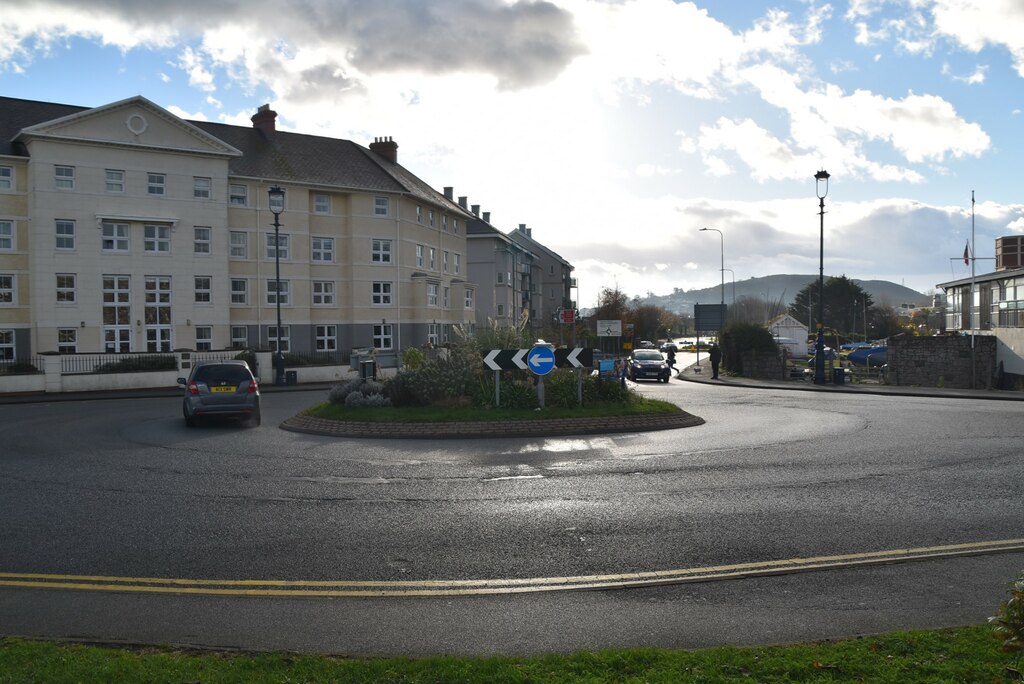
[253,387]
[193,388]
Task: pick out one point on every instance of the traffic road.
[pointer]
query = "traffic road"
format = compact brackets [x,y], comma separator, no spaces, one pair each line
[122,524]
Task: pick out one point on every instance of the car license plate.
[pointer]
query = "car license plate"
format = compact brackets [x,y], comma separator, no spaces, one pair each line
[223,389]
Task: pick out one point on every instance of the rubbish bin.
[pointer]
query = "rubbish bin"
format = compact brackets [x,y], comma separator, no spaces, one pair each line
[838,375]
[291,377]
[367,369]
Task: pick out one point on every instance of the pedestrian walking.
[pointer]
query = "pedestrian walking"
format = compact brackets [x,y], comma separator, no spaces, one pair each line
[671,357]
[715,354]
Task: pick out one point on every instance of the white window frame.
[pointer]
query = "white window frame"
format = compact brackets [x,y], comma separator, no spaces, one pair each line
[323,292]
[321,203]
[203,290]
[156,183]
[204,337]
[7,236]
[419,255]
[444,261]
[116,237]
[117,298]
[8,289]
[202,239]
[430,217]
[67,288]
[67,341]
[501,311]
[469,301]
[456,263]
[383,336]
[283,244]
[432,252]
[156,238]
[238,244]
[239,295]
[285,293]
[432,336]
[6,177]
[381,206]
[444,222]
[67,237]
[8,348]
[445,298]
[321,249]
[326,338]
[202,187]
[419,214]
[382,292]
[238,195]
[157,313]
[114,180]
[380,251]
[432,295]
[286,338]
[239,337]
[63,177]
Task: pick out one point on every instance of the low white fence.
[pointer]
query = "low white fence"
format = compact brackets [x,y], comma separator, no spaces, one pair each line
[98,372]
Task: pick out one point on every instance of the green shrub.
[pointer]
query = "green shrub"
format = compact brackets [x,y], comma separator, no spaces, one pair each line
[367,400]
[737,338]
[455,375]
[248,355]
[413,358]
[18,368]
[341,393]
[1008,625]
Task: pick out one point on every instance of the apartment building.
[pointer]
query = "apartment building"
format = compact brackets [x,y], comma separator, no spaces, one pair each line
[505,269]
[126,228]
[551,278]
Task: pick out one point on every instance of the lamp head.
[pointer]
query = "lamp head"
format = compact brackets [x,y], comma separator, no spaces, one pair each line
[820,177]
[276,200]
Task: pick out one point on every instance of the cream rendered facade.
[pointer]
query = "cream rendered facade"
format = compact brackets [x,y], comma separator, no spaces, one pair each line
[132,231]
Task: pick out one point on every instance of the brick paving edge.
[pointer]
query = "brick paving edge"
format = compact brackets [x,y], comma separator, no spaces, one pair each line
[477,430]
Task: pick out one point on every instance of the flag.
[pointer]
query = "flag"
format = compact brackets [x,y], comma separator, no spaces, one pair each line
[967,254]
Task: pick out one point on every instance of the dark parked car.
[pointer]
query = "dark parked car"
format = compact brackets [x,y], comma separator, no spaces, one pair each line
[648,364]
[221,388]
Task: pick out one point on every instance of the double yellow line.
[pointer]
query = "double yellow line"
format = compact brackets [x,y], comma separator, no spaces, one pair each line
[428,588]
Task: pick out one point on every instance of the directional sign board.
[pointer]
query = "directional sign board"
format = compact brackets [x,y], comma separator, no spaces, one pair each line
[541,359]
[574,358]
[708,317]
[609,328]
[506,359]
[516,359]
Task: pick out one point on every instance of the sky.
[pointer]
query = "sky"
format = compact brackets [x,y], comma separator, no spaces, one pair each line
[614,129]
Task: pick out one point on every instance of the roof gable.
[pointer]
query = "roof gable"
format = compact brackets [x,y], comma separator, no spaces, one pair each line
[134,122]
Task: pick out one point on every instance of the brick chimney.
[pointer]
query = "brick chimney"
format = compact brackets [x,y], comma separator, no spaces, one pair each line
[385,147]
[265,119]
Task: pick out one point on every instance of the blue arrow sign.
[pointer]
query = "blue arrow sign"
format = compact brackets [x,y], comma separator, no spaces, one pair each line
[541,360]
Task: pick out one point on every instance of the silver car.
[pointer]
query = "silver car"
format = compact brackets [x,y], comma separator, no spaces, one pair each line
[221,388]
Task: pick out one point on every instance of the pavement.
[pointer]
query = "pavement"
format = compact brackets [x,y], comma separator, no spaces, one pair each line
[703,376]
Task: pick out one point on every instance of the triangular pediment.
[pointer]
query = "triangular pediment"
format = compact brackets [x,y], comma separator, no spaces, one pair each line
[135,122]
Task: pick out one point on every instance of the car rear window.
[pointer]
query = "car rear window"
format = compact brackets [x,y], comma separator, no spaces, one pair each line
[232,375]
[648,356]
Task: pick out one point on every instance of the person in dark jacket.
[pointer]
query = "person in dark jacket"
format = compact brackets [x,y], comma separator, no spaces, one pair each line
[715,354]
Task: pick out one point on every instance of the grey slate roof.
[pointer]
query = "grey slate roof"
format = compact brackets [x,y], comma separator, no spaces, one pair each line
[277,156]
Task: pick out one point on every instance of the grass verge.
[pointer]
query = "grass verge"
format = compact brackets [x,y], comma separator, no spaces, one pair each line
[441,414]
[968,654]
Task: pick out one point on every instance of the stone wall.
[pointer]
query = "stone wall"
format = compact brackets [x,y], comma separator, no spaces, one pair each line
[942,361]
[762,365]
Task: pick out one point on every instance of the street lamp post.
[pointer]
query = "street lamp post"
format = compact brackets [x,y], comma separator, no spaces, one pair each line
[733,274]
[722,270]
[277,206]
[819,345]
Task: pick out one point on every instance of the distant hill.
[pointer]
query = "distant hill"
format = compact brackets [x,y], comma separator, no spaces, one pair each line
[782,288]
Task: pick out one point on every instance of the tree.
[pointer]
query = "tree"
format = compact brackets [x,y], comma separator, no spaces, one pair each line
[845,302]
